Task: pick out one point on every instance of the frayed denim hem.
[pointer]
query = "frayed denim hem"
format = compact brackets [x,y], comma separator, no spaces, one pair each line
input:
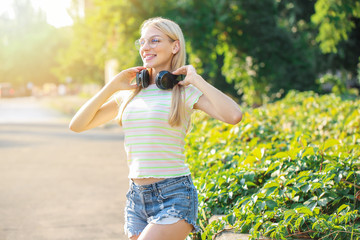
[154,220]
[196,228]
[130,232]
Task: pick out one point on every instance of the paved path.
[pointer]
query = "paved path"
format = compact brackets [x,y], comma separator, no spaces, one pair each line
[55,184]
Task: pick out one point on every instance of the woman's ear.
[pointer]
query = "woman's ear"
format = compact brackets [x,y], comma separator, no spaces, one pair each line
[176,47]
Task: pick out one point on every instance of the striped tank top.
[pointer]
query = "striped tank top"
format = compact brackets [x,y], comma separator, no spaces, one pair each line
[153,147]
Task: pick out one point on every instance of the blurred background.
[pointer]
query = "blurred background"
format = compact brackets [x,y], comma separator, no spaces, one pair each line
[255,51]
[55,54]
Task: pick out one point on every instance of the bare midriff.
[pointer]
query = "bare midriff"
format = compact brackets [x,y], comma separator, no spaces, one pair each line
[146,181]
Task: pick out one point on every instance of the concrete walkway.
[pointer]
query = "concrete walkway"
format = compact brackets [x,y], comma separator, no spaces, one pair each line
[59,185]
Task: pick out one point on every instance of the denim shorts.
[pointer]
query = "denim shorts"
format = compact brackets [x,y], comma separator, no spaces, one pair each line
[169,199]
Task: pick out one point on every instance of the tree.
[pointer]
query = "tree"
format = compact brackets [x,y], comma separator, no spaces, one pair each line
[107,31]
[244,42]
[27,45]
[254,51]
[335,19]
[338,23]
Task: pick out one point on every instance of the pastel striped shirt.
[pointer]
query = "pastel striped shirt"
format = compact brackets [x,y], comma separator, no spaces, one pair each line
[153,147]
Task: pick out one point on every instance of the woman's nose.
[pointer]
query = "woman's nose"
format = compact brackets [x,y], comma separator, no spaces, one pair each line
[146,46]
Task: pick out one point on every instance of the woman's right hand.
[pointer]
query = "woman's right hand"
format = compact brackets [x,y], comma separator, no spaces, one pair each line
[98,110]
[122,81]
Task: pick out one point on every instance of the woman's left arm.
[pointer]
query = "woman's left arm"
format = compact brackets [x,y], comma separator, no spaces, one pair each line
[213,102]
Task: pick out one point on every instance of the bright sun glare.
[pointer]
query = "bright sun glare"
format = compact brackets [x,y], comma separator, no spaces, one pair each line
[55,10]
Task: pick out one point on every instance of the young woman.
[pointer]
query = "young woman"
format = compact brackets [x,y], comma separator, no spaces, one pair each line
[162,199]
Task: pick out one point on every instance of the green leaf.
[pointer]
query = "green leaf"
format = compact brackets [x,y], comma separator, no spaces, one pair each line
[349,174]
[251,184]
[231,218]
[257,153]
[250,160]
[308,151]
[273,166]
[253,142]
[312,205]
[293,153]
[342,207]
[300,221]
[281,155]
[270,191]
[293,180]
[306,188]
[289,213]
[271,184]
[323,201]
[257,226]
[271,204]
[304,210]
[330,143]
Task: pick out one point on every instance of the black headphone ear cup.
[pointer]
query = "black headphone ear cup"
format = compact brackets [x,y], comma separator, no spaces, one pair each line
[166,80]
[143,78]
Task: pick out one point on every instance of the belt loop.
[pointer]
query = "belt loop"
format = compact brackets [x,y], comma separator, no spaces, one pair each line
[189,177]
[131,184]
[155,189]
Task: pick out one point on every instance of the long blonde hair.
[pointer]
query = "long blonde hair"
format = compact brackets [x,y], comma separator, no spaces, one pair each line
[173,31]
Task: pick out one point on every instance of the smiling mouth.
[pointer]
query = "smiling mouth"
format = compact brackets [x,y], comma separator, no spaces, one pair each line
[149,57]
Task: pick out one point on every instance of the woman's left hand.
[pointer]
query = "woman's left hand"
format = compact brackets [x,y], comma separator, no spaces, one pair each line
[190,73]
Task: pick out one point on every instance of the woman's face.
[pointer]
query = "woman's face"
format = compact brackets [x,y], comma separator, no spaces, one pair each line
[156,49]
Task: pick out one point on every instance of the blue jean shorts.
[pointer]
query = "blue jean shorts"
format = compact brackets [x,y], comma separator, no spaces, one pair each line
[160,203]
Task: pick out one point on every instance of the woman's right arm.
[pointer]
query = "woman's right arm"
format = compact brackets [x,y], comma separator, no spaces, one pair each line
[97,110]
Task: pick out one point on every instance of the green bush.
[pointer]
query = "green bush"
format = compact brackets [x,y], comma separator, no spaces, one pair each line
[290,169]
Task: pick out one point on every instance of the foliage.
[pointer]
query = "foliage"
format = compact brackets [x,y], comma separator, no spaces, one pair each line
[335,21]
[247,46]
[238,46]
[108,31]
[337,25]
[254,51]
[19,36]
[289,169]
[81,60]
[338,86]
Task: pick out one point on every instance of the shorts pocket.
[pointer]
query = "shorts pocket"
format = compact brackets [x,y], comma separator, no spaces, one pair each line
[178,189]
[176,195]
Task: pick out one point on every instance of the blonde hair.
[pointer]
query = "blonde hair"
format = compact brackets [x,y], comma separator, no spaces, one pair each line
[173,31]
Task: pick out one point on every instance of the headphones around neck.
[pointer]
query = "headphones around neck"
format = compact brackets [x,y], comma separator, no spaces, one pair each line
[164,80]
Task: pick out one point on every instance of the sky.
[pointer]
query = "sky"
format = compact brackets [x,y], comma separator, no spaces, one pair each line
[55,10]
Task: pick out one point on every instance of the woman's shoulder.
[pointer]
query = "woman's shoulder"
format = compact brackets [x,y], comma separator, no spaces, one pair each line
[192,95]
